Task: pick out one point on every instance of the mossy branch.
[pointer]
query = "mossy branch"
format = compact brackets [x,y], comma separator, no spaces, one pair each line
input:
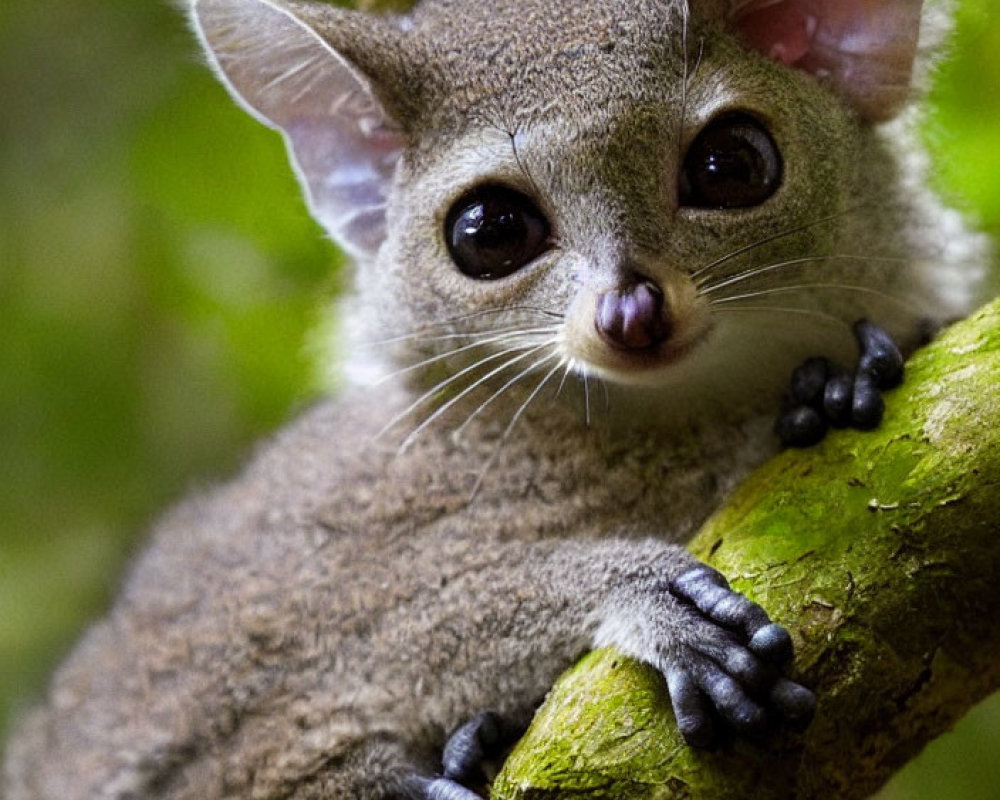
[880,552]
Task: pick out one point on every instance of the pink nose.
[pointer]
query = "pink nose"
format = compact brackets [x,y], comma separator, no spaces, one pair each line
[632,318]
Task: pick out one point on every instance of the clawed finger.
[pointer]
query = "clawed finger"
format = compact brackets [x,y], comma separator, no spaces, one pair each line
[737,661]
[794,702]
[469,745]
[694,719]
[701,587]
[881,357]
[772,643]
[744,715]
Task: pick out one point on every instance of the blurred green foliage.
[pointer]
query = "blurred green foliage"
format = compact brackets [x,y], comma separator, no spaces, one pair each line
[158,276]
[158,273]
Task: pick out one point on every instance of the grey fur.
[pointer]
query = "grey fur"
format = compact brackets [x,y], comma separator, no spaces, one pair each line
[316,628]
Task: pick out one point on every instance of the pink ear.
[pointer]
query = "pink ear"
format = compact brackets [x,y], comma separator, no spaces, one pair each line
[863,48]
[342,142]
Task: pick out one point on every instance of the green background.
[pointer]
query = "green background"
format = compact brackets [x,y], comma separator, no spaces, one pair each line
[159,276]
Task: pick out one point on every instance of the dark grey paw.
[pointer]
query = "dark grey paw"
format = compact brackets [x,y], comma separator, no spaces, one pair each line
[736,680]
[481,738]
[822,395]
[467,756]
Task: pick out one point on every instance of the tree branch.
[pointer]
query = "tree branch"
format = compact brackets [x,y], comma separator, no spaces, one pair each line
[880,553]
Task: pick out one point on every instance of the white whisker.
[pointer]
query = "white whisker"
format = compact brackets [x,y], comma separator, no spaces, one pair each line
[478,382]
[767,240]
[513,422]
[562,383]
[508,335]
[807,312]
[437,388]
[449,324]
[482,406]
[442,337]
[707,287]
[798,287]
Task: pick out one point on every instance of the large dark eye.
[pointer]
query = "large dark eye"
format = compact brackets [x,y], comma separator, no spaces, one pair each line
[732,163]
[494,231]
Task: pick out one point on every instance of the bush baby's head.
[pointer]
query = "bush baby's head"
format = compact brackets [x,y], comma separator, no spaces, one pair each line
[662,194]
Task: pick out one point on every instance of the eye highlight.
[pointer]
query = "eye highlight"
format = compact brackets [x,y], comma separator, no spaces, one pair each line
[493,231]
[732,163]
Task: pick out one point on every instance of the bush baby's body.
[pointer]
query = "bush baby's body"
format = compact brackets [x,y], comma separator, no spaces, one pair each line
[592,243]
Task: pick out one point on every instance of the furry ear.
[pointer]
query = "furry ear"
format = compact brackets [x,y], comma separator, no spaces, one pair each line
[341,140]
[865,49]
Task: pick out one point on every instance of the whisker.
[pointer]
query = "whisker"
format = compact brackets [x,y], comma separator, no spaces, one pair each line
[797,287]
[773,238]
[513,422]
[502,336]
[438,387]
[421,337]
[708,287]
[471,387]
[586,395]
[482,406]
[807,312]
[562,383]
[453,321]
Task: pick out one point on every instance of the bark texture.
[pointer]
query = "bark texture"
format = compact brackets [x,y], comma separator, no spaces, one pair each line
[880,552]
